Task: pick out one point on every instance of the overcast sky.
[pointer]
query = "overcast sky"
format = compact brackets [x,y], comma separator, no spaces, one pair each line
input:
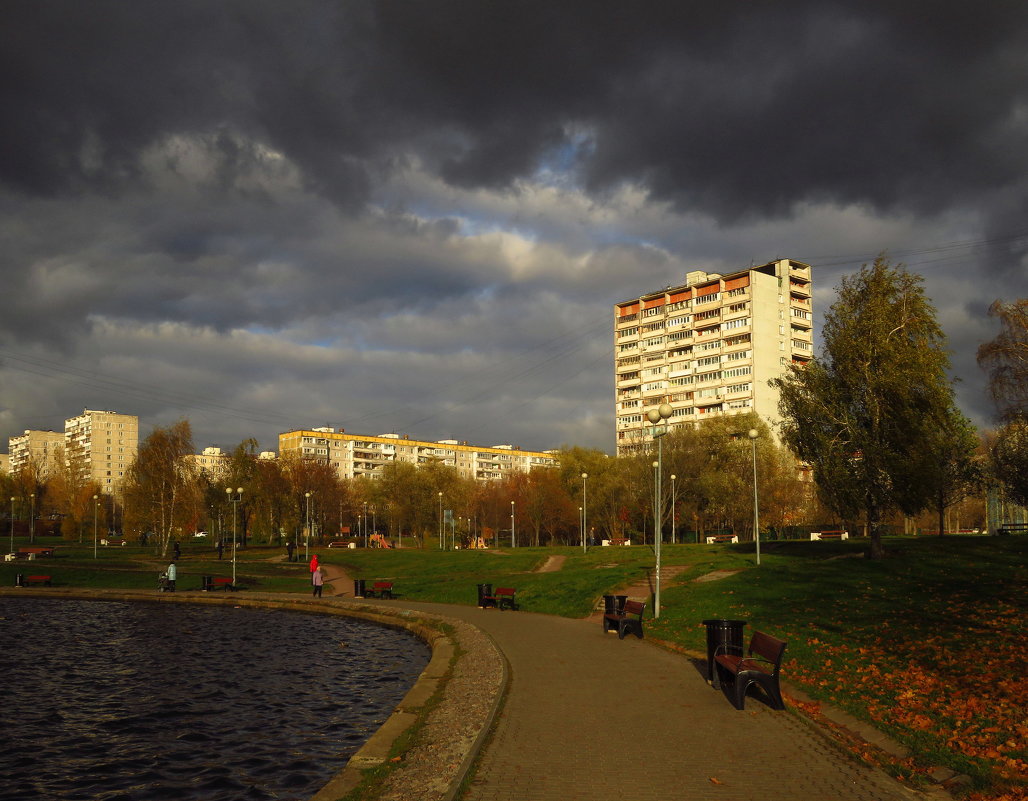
[415,217]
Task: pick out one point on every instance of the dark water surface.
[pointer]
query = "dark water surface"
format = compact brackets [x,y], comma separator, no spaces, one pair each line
[112,701]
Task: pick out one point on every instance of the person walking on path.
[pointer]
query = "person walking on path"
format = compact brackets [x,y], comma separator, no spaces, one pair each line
[290,546]
[221,547]
[172,575]
[314,563]
[318,580]
[178,551]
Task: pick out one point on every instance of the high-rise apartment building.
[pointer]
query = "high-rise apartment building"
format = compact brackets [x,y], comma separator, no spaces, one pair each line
[42,449]
[709,347]
[361,455]
[101,446]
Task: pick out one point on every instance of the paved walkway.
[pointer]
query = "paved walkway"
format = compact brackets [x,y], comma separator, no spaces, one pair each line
[589,717]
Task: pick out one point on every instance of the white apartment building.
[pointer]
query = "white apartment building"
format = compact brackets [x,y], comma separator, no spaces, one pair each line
[362,455]
[709,347]
[213,461]
[36,448]
[101,446]
[217,464]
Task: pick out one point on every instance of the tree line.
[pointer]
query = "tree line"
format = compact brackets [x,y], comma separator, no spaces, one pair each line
[870,438]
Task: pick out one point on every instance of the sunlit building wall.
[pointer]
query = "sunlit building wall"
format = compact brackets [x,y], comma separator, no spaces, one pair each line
[355,455]
[101,446]
[709,347]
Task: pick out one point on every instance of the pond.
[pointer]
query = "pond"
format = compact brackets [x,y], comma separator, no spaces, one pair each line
[114,701]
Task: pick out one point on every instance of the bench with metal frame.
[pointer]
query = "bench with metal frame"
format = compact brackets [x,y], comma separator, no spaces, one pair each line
[630,620]
[760,666]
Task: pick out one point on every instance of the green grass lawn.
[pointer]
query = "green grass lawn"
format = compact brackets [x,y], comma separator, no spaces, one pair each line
[927,644]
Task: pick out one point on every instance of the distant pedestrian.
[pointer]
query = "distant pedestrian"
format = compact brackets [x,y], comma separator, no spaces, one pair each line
[221,547]
[314,563]
[172,575]
[318,580]
[178,551]
[290,547]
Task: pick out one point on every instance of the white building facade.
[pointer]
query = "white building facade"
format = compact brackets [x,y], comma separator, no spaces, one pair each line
[709,347]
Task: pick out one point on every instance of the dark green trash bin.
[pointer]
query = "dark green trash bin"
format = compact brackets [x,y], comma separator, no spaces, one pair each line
[723,637]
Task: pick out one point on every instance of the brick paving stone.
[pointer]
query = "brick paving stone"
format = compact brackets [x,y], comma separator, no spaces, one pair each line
[592,717]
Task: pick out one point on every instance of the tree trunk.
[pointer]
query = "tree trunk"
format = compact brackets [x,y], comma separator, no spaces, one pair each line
[877,551]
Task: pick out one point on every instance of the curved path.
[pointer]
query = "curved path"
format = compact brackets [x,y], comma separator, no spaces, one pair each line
[593,718]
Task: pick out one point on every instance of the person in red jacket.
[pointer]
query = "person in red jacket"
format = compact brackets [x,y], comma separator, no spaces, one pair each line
[314,563]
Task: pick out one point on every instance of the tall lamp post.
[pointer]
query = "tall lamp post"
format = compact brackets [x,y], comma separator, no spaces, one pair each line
[753,434]
[440,521]
[672,508]
[96,506]
[32,518]
[585,512]
[12,524]
[307,530]
[235,499]
[659,415]
[512,545]
[365,524]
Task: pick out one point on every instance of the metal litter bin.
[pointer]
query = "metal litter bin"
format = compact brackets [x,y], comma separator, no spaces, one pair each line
[723,637]
[614,604]
[206,583]
[358,588]
[19,580]
[483,591]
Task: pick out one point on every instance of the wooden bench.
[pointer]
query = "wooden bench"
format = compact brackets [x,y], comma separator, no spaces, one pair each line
[816,536]
[760,666]
[220,583]
[33,553]
[629,620]
[1012,528]
[502,599]
[380,589]
[44,580]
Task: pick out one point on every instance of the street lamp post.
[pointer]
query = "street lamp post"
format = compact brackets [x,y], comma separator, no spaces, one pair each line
[661,414]
[753,434]
[585,512]
[512,545]
[307,531]
[235,499]
[672,508]
[365,524]
[32,518]
[12,525]
[96,505]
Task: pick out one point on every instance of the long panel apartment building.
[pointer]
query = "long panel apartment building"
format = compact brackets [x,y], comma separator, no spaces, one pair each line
[709,347]
[355,455]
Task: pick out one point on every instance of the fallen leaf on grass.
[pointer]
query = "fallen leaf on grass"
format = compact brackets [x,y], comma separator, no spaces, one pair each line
[715,780]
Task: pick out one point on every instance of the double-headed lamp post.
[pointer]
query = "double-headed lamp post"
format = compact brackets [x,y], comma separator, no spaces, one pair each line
[440,521]
[235,499]
[753,434]
[32,518]
[661,414]
[12,524]
[585,513]
[512,545]
[96,506]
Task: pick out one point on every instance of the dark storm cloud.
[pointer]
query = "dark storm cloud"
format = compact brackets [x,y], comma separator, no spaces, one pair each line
[243,197]
[740,109]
